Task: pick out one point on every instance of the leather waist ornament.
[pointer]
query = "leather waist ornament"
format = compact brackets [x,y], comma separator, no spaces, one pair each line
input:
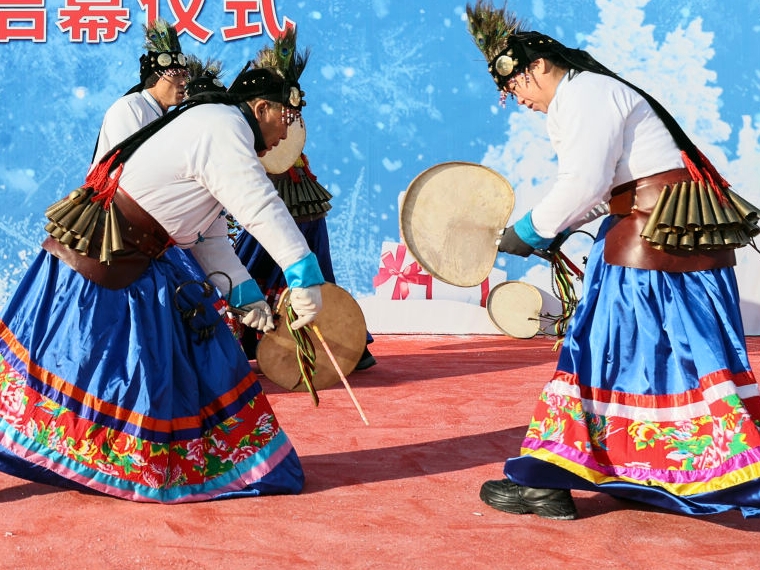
[668,222]
[110,247]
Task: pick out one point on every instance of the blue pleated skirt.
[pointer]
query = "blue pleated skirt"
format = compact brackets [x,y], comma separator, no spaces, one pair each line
[142,393]
[653,398]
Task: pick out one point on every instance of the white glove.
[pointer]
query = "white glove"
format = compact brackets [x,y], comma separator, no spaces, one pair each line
[259,316]
[306,302]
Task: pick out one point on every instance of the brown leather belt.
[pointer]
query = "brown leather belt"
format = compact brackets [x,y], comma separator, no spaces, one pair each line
[143,237]
[632,203]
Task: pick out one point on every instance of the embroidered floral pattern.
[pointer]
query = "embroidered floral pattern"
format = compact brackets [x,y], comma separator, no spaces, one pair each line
[698,443]
[560,409]
[63,434]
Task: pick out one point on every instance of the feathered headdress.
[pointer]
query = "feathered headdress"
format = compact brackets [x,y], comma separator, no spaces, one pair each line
[287,62]
[491,28]
[161,37]
[274,74]
[284,57]
[204,77]
[164,51]
[502,37]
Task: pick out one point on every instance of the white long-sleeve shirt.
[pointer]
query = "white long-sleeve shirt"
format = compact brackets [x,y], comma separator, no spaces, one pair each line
[604,134]
[199,165]
[124,118]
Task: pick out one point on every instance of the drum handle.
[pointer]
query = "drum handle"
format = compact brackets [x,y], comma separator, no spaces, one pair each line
[554,249]
[571,265]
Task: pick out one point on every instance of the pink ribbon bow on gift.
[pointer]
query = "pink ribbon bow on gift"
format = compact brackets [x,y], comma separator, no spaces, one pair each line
[412,273]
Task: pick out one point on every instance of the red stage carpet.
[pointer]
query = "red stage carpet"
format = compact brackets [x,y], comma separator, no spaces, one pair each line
[401,493]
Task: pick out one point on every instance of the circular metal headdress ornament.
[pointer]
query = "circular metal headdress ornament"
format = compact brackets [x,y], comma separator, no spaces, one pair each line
[505,64]
[294,100]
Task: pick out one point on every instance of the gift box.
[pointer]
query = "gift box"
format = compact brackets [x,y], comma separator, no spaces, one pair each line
[400,277]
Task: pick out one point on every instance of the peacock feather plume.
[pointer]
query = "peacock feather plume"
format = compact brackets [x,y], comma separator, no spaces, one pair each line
[161,37]
[284,57]
[197,68]
[491,27]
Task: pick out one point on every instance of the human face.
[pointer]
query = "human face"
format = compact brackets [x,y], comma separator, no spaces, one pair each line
[170,89]
[534,88]
[273,126]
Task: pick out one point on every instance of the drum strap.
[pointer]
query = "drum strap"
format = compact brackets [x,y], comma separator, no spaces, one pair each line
[632,204]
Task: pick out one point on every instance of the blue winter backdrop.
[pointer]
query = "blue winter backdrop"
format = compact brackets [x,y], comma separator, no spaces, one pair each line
[392,89]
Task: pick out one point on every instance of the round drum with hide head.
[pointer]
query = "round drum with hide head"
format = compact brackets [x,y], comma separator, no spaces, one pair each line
[522,310]
[450,218]
[284,155]
[342,325]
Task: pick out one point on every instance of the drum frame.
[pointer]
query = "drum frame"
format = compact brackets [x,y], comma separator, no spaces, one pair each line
[537,314]
[474,202]
[341,322]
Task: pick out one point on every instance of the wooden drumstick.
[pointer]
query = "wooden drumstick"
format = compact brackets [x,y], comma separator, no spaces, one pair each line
[339,371]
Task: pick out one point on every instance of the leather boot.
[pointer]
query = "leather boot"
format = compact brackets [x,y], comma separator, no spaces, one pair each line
[512,498]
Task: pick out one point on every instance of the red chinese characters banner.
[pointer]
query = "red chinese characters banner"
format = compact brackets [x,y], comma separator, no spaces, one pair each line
[101,21]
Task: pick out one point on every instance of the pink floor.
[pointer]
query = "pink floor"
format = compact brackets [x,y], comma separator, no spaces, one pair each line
[444,413]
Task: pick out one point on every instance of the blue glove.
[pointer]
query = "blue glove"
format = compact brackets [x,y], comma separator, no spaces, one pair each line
[246,293]
[304,273]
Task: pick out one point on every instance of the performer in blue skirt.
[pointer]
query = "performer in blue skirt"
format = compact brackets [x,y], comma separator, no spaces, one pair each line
[653,398]
[117,371]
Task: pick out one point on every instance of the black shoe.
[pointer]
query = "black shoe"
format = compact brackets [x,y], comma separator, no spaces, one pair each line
[512,498]
[366,361]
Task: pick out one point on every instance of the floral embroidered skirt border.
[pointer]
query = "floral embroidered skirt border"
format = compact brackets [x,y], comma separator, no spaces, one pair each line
[653,398]
[132,393]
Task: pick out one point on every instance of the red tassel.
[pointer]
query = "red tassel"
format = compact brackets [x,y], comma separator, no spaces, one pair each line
[294,176]
[105,186]
[708,174]
[306,168]
[694,172]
